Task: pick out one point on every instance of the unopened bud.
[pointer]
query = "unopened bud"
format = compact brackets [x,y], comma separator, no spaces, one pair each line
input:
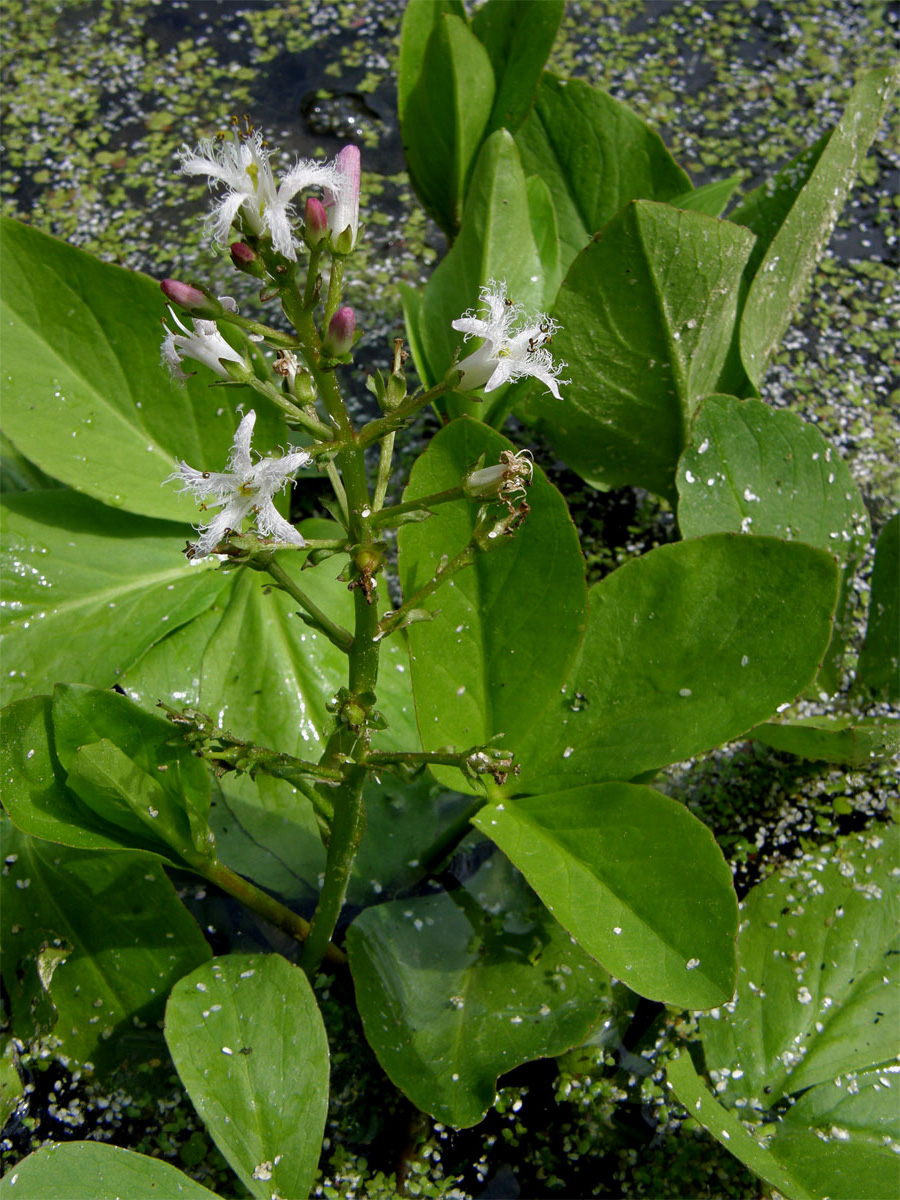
[191,299]
[343,202]
[247,260]
[315,222]
[339,338]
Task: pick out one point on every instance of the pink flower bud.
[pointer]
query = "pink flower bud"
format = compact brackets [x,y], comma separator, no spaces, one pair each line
[189,298]
[339,338]
[316,221]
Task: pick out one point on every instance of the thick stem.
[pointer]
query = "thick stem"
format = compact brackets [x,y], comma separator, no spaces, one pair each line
[347,828]
[350,740]
[264,904]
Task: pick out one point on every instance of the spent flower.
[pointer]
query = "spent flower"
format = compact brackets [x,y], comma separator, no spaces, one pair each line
[241,164]
[506,480]
[245,488]
[514,345]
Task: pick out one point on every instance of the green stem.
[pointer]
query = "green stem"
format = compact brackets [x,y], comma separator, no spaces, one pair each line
[264,904]
[337,486]
[347,827]
[349,742]
[386,516]
[335,288]
[312,273]
[275,337]
[398,417]
[296,415]
[384,471]
[395,618]
[341,637]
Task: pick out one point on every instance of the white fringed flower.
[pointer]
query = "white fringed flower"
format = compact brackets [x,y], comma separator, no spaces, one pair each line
[244,489]
[242,165]
[507,353]
[204,344]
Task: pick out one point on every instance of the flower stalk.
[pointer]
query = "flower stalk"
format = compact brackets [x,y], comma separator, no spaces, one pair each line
[264,212]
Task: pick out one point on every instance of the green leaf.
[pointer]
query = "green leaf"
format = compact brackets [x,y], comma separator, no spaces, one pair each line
[84,395]
[546,235]
[131,768]
[261,638]
[727,1129]
[518,36]
[879,659]
[120,793]
[687,647]
[11,1086]
[170,670]
[267,831]
[710,198]
[754,469]
[860,1131]
[96,1171]
[817,949]
[750,468]
[493,657]
[88,590]
[419,22]
[411,300]
[446,96]
[248,1042]
[458,987]
[794,215]
[647,314]
[815,1017]
[495,242]
[595,155]
[17,474]
[635,878]
[854,741]
[35,793]
[401,820]
[124,939]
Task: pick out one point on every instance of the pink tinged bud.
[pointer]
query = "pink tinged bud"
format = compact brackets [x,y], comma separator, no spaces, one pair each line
[247,260]
[339,338]
[189,298]
[242,255]
[342,202]
[316,222]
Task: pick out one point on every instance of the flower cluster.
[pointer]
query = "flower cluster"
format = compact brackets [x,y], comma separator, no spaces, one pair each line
[241,165]
[244,488]
[507,352]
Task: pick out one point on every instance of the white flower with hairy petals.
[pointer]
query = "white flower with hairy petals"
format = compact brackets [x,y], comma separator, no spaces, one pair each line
[204,344]
[507,353]
[242,165]
[244,489]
